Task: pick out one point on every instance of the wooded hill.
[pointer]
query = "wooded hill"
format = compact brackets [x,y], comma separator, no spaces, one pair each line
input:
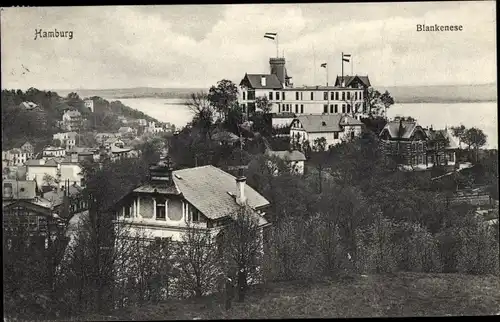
[39,124]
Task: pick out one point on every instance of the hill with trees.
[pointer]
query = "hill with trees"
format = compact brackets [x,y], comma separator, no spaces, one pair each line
[39,124]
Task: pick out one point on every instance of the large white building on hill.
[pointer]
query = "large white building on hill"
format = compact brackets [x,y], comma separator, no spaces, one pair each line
[347,96]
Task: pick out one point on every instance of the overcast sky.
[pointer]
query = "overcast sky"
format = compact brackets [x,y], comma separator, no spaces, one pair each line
[195,45]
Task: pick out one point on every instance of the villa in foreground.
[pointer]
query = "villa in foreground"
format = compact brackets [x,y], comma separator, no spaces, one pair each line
[202,197]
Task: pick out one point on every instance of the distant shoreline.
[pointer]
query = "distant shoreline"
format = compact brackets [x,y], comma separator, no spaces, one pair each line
[401,101]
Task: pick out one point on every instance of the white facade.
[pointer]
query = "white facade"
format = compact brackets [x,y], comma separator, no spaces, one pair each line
[140,217]
[37,173]
[17,157]
[51,152]
[68,139]
[71,172]
[332,138]
[307,100]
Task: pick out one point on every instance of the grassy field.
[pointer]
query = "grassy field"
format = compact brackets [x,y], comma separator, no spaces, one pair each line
[405,294]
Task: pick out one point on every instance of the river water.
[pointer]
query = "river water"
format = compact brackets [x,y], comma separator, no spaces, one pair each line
[482,115]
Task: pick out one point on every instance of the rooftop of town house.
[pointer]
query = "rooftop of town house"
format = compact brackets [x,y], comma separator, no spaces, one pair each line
[287,155]
[316,123]
[53,148]
[56,197]
[115,149]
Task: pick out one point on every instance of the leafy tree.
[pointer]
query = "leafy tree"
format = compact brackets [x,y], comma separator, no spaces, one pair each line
[263,104]
[56,143]
[319,157]
[474,138]
[459,133]
[49,180]
[223,96]
[387,101]
[374,123]
[373,101]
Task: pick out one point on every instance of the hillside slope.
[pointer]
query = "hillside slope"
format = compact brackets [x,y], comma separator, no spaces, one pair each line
[405,294]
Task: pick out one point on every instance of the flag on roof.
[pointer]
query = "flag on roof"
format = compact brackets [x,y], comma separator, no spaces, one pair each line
[323,65]
[346,57]
[270,35]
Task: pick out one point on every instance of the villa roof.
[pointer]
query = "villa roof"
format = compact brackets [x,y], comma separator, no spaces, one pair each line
[317,123]
[225,136]
[56,197]
[115,149]
[349,79]
[407,129]
[34,162]
[288,155]
[254,80]
[73,113]
[434,134]
[29,105]
[207,188]
[52,148]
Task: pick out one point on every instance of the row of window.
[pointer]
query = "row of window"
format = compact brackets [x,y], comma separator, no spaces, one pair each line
[161,212]
[288,108]
[334,108]
[299,96]
[334,96]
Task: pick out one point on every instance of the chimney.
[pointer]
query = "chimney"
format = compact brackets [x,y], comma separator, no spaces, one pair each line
[240,188]
[263,80]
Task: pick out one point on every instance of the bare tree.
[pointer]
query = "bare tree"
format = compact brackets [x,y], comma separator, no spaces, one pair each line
[354,107]
[203,110]
[242,248]
[197,258]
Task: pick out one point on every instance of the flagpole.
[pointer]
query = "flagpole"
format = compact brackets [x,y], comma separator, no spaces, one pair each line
[327,74]
[342,81]
[352,64]
[314,67]
[277,46]
[327,93]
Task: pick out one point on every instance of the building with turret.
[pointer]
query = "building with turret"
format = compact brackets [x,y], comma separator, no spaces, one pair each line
[346,97]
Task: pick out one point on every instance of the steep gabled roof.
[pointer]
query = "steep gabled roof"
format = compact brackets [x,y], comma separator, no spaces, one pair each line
[349,79]
[318,123]
[406,132]
[442,134]
[254,81]
[207,188]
